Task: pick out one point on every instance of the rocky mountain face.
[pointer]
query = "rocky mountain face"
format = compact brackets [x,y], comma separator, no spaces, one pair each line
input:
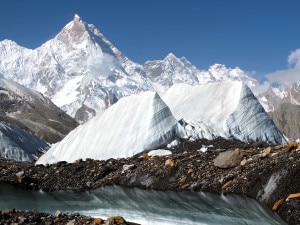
[83,73]
[171,70]
[286,117]
[283,106]
[32,112]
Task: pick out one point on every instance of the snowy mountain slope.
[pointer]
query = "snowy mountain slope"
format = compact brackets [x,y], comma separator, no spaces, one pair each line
[31,111]
[273,97]
[171,70]
[227,109]
[18,144]
[132,125]
[219,72]
[78,67]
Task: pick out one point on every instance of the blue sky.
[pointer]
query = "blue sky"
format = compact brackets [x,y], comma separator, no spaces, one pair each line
[255,35]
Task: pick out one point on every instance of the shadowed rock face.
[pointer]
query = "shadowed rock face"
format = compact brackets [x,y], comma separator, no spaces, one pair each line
[286,117]
[84,113]
[31,111]
[110,99]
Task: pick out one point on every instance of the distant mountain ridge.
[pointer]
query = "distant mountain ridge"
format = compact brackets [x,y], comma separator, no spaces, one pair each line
[31,111]
[83,73]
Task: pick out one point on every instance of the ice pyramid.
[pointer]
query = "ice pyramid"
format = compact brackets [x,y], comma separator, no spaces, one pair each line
[134,124]
[227,109]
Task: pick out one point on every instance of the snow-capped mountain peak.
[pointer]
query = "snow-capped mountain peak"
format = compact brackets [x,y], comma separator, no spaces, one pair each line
[171,70]
[171,57]
[75,31]
[78,67]
[77,17]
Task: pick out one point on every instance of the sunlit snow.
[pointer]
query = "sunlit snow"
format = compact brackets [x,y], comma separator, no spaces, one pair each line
[227,109]
[132,125]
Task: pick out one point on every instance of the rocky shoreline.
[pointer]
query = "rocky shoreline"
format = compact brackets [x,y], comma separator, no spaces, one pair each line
[269,174]
[15,217]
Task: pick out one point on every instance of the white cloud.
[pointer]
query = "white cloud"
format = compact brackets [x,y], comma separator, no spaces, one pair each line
[294,58]
[290,75]
[262,88]
[100,66]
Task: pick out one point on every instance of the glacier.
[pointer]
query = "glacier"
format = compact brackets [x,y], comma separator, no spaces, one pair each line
[222,109]
[146,121]
[134,124]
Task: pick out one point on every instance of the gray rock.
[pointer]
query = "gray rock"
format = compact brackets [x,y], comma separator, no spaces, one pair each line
[228,159]
[20,175]
[127,167]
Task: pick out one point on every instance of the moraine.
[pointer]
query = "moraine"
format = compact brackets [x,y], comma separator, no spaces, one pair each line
[261,175]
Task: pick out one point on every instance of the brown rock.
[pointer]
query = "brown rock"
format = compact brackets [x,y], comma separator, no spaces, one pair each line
[267,150]
[185,185]
[292,146]
[297,195]
[227,184]
[145,155]
[115,220]
[277,204]
[190,171]
[169,162]
[228,159]
[98,221]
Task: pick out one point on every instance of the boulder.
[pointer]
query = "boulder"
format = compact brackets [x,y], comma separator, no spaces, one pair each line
[228,159]
[115,220]
[169,162]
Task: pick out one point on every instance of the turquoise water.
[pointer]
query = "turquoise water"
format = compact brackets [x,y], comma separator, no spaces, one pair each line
[145,207]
